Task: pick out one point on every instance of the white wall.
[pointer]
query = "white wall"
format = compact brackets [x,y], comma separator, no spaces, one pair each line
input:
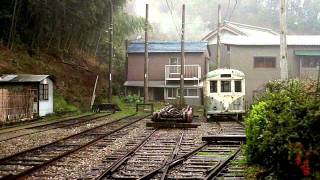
[46,106]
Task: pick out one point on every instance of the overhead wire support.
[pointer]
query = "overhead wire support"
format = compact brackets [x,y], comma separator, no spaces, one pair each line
[218,38]
[110,52]
[146,59]
[283,40]
[182,57]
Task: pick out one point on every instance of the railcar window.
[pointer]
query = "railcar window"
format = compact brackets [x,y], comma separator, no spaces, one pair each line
[225,75]
[213,86]
[237,86]
[225,86]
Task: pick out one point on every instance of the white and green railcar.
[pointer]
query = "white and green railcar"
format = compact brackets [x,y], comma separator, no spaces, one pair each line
[224,93]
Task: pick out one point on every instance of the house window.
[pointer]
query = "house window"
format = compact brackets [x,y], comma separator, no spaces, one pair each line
[225,86]
[189,92]
[213,86]
[310,62]
[172,92]
[174,61]
[264,62]
[237,86]
[192,92]
[174,68]
[44,92]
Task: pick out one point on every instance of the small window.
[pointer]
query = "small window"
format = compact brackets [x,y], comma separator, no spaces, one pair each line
[189,92]
[225,75]
[310,62]
[174,61]
[172,92]
[264,62]
[237,86]
[192,92]
[213,86]
[225,86]
[44,92]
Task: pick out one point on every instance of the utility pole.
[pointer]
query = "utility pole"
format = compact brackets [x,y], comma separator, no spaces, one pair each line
[318,81]
[283,40]
[146,58]
[218,37]
[182,57]
[110,52]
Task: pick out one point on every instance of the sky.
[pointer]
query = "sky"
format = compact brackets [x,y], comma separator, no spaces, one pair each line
[165,16]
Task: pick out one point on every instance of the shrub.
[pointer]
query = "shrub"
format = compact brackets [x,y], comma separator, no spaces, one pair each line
[60,105]
[133,99]
[281,130]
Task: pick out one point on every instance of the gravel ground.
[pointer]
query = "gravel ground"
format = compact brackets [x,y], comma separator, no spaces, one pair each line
[79,165]
[30,141]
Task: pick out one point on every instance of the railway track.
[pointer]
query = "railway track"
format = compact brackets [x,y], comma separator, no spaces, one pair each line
[46,127]
[32,160]
[173,154]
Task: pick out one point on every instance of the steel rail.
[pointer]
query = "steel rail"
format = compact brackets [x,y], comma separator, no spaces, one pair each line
[46,163]
[213,174]
[122,160]
[61,126]
[174,162]
[174,154]
[21,126]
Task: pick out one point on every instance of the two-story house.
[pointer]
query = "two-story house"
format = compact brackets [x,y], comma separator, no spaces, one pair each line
[256,52]
[164,70]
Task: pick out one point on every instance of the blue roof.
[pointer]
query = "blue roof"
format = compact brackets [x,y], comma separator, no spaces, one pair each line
[167,46]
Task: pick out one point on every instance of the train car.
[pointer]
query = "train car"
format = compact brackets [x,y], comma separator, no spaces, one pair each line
[224,93]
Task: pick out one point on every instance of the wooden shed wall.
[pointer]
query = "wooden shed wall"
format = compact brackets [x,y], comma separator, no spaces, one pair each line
[16,103]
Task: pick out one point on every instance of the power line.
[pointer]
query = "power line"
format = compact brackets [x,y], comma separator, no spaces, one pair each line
[226,13]
[234,7]
[172,17]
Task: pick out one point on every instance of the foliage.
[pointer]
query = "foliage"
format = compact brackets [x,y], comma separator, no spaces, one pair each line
[176,103]
[133,99]
[286,115]
[60,105]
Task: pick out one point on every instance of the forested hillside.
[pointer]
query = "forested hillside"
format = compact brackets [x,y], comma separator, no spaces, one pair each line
[67,39]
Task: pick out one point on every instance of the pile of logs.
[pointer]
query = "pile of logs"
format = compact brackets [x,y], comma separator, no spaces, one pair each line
[169,113]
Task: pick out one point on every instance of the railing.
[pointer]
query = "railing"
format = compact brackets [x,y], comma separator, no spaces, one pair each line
[191,72]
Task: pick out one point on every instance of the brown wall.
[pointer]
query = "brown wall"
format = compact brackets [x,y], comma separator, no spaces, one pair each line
[157,62]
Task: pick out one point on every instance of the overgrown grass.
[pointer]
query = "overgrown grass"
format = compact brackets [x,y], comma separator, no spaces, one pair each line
[61,106]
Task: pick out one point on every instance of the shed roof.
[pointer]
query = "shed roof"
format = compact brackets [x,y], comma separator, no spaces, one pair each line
[167,46]
[21,78]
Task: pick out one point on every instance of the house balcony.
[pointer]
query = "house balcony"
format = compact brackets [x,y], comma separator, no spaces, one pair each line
[191,72]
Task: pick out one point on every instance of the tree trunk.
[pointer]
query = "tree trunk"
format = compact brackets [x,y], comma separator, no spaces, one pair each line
[13,24]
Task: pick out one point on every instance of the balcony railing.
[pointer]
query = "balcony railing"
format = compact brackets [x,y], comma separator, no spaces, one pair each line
[191,72]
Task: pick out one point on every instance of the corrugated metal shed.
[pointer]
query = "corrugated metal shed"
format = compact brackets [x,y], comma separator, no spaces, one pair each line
[20,78]
[167,46]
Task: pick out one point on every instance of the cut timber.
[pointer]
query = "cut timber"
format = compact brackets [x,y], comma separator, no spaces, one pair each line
[224,138]
[171,124]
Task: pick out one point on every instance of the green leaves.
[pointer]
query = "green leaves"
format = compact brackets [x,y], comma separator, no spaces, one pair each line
[284,112]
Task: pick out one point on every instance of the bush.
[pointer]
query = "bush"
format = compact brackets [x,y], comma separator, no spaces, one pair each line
[133,99]
[61,106]
[281,130]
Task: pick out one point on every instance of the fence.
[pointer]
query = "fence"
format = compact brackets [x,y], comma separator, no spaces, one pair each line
[15,105]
